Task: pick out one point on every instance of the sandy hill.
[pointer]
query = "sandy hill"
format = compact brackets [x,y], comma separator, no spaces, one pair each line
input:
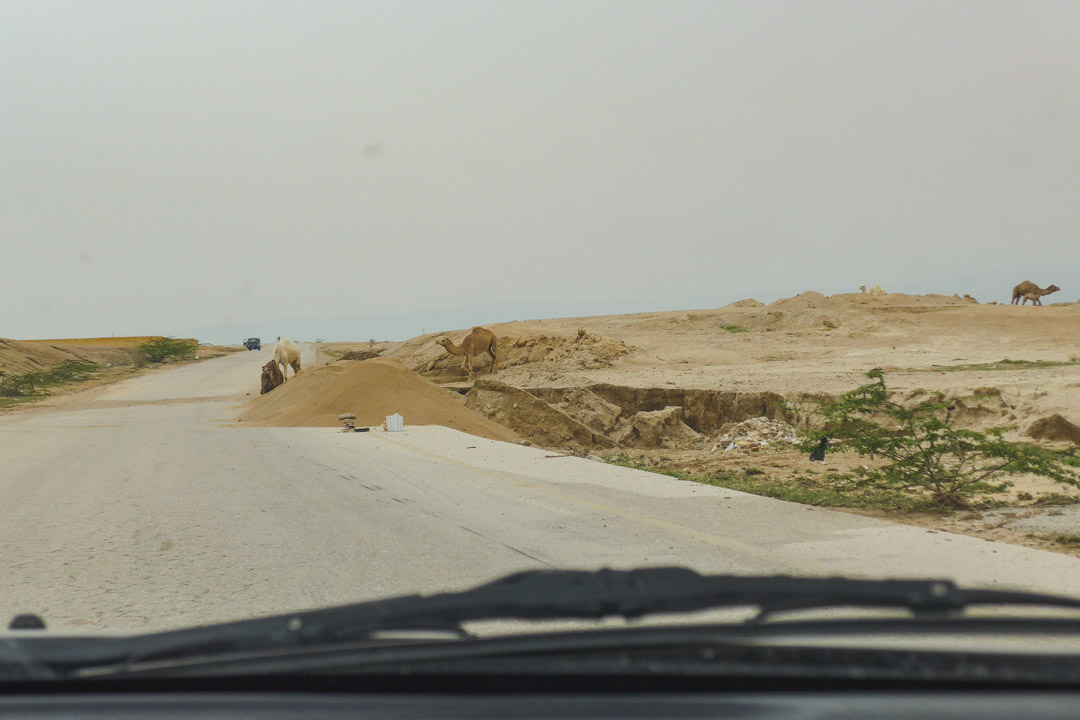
[371,389]
[809,342]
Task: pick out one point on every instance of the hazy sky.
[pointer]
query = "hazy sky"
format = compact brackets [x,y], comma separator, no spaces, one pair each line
[175,167]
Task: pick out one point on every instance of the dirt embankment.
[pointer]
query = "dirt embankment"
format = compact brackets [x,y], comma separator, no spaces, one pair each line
[19,356]
[611,416]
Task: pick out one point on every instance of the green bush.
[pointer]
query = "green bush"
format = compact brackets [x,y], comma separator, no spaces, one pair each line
[165,348]
[925,455]
[34,382]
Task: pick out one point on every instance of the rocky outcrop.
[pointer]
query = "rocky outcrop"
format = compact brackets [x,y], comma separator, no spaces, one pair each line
[531,417]
[703,410]
[605,416]
[659,429]
[590,410]
[545,352]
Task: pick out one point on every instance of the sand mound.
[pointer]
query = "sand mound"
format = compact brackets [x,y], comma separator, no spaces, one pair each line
[745,303]
[1054,427]
[802,301]
[371,389]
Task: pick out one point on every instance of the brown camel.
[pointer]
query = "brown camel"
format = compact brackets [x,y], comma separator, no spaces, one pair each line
[480,340]
[271,377]
[1030,291]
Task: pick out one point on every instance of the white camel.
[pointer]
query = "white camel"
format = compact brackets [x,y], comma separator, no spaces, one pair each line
[287,354]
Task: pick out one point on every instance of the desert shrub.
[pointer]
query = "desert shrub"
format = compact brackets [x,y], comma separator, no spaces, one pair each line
[34,382]
[359,354]
[924,454]
[165,348]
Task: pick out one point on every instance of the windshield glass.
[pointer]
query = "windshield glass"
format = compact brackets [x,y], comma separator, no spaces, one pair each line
[315,304]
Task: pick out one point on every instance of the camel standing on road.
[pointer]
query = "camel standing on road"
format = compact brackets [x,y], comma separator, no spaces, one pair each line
[1030,291]
[480,340]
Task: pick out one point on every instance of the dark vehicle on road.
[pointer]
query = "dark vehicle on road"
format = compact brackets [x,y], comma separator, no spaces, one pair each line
[253,344]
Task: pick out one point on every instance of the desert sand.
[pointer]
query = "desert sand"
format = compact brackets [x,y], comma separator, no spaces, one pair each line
[608,384]
[668,389]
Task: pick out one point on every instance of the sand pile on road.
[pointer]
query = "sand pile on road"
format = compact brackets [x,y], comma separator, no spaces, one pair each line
[371,389]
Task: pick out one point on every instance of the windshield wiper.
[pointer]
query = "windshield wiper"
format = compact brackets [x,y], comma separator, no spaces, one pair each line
[552,595]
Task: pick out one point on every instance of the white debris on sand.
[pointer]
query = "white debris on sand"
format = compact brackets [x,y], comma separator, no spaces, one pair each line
[754,435]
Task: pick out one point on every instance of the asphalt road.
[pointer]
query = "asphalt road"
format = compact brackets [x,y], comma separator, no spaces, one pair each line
[145,505]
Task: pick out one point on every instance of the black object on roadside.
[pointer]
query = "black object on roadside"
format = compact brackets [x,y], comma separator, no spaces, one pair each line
[819,452]
[26,621]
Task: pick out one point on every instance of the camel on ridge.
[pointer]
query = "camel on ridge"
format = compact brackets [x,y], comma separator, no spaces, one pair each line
[1030,291]
[479,341]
